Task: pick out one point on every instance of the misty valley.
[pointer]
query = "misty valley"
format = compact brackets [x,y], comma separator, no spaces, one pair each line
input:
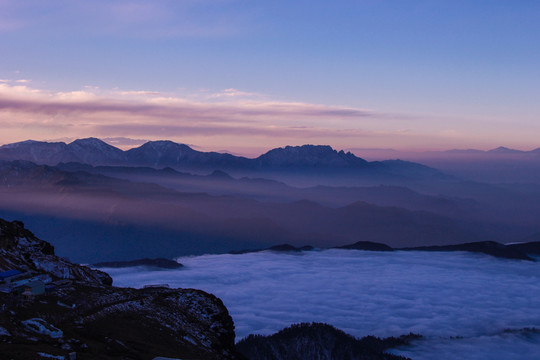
[269,180]
[355,259]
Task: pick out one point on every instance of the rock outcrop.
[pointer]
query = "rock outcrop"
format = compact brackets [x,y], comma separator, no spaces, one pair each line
[158,263]
[319,341]
[485,247]
[367,246]
[21,250]
[82,316]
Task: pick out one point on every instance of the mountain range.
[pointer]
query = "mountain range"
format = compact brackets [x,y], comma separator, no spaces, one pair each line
[309,160]
[107,218]
[499,165]
[122,205]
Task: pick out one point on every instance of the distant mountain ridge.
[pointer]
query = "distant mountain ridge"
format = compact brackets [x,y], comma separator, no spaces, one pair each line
[148,220]
[498,165]
[89,151]
[161,154]
[501,150]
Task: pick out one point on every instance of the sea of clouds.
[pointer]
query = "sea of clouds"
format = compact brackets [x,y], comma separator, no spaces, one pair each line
[439,295]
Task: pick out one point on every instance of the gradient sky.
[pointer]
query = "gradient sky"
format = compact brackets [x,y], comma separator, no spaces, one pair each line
[246,75]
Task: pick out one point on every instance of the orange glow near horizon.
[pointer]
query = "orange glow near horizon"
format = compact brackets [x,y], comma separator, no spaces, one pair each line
[237,122]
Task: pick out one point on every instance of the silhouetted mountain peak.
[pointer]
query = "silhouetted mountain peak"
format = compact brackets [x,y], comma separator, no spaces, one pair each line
[91,141]
[93,144]
[464,151]
[309,156]
[320,341]
[298,160]
[218,174]
[492,248]
[367,246]
[305,150]
[94,151]
[503,150]
[164,145]
[162,148]
[20,144]
[159,153]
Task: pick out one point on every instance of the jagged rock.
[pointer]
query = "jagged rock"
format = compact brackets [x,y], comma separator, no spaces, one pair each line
[486,247]
[319,341]
[159,263]
[95,320]
[367,245]
[21,250]
[309,156]
[277,248]
[530,246]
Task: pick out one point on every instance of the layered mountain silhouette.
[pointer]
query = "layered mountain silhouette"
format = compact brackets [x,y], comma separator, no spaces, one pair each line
[120,205]
[88,151]
[107,218]
[318,159]
[501,164]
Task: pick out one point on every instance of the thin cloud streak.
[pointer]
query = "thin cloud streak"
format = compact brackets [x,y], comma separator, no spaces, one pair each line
[153,114]
[69,103]
[211,120]
[301,132]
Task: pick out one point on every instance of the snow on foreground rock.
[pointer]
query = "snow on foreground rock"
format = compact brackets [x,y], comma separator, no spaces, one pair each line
[82,315]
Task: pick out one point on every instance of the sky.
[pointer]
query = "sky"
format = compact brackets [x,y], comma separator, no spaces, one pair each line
[246,76]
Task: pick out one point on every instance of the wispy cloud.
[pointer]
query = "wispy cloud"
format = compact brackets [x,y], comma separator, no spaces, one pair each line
[229,93]
[211,119]
[146,112]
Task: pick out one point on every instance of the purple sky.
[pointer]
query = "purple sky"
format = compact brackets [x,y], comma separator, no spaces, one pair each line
[247,76]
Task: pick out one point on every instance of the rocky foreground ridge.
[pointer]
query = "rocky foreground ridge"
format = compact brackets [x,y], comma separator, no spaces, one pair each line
[320,341]
[53,309]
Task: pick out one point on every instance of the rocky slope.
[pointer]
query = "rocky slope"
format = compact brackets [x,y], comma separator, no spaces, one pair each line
[159,263]
[21,250]
[319,341]
[87,318]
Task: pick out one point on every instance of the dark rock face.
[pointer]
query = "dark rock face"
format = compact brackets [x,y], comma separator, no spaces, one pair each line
[319,341]
[486,247]
[287,247]
[159,263]
[531,248]
[89,317]
[277,248]
[513,251]
[309,156]
[366,245]
[21,250]
[103,322]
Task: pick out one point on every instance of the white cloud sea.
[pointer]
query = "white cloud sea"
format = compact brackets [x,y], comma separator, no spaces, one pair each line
[438,295]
